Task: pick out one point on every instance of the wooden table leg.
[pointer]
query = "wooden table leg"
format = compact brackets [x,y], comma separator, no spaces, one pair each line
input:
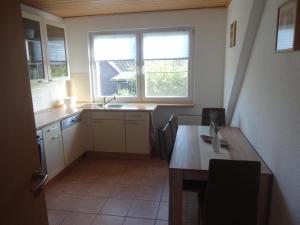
[175,200]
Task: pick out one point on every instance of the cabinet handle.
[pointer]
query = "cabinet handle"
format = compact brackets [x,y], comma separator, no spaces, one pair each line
[99,121]
[54,137]
[51,129]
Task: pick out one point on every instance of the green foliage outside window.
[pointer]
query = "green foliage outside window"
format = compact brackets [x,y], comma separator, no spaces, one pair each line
[166,78]
[59,70]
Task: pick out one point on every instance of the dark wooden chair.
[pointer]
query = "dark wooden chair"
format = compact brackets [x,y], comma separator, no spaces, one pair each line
[220,116]
[166,142]
[173,121]
[232,193]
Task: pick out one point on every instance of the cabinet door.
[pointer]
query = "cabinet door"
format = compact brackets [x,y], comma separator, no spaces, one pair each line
[56,51]
[73,143]
[108,135]
[54,154]
[34,48]
[137,137]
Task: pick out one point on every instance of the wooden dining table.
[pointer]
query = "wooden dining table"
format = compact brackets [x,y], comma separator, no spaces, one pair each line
[190,161]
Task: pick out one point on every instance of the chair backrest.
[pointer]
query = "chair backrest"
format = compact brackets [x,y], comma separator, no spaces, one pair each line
[174,126]
[166,142]
[220,116]
[232,193]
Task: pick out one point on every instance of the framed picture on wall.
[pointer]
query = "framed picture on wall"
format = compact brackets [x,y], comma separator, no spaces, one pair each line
[233,34]
[288,27]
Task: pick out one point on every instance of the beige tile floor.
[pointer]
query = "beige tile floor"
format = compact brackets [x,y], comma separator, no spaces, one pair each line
[115,192]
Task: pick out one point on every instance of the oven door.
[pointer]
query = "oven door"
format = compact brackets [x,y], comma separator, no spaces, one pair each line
[42,156]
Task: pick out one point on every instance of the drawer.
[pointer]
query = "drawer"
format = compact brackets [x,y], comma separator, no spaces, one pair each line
[52,129]
[136,116]
[107,115]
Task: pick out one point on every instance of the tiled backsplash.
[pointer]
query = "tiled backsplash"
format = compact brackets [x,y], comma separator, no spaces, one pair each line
[48,94]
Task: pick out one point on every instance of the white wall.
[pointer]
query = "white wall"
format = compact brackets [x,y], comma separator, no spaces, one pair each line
[237,11]
[268,111]
[47,95]
[209,49]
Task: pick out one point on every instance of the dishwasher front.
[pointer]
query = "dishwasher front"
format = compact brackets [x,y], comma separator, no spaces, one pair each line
[73,138]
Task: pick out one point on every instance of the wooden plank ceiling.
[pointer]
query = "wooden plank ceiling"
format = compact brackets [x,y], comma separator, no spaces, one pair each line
[72,8]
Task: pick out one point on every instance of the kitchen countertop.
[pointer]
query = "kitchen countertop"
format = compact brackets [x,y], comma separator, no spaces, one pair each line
[48,116]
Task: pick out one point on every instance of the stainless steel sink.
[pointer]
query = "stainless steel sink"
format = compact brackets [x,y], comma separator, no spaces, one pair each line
[114,106]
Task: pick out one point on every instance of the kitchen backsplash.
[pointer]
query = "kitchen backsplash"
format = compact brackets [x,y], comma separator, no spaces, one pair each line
[48,94]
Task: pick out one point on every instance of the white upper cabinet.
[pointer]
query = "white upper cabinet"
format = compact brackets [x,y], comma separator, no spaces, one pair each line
[46,52]
[34,46]
[57,63]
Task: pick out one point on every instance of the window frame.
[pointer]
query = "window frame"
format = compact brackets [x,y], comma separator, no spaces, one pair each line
[140,75]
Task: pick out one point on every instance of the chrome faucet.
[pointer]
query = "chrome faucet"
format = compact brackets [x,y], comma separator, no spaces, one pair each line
[106,100]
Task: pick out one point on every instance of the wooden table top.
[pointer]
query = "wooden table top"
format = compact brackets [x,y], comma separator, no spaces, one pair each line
[192,153]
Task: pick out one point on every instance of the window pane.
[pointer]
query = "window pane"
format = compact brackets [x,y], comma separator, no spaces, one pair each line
[166,64]
[33,47]
[57,51]
[116,65]
[114,47]
[166,78]
[166,45]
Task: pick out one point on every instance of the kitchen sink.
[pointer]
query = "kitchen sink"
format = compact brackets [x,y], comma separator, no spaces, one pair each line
[114,106]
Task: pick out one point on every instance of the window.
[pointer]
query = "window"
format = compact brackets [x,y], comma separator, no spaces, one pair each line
[146,65]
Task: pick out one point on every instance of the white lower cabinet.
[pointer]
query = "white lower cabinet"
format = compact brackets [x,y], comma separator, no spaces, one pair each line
[121,132]
[73,138]
[53,149]
[137,137]
[108,135]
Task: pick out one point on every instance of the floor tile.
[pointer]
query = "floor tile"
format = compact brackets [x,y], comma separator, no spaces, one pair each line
[111,177]
[108,220]
[124,191]
[138,221]
[61,202]
[100,189]
[154,181]
[157,171]
[60,186]
[116,206]
[136,171]
[89,204]
[163,211]
[130,179]
[143,209]
[148,193]
[56,217]
[76,218]
[161,222]
[165,195]
[78,188]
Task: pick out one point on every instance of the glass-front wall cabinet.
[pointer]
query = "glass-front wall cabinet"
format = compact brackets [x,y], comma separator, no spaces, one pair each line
[45,45]
[56,51]
[34,52]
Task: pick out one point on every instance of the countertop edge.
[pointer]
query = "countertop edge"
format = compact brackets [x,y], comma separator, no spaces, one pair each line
[77,110]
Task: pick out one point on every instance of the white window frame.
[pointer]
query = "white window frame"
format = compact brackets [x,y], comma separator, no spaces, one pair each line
[141,92]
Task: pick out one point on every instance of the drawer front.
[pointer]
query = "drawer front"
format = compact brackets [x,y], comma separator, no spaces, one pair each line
[136,116]
[52,129]
[107,115]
